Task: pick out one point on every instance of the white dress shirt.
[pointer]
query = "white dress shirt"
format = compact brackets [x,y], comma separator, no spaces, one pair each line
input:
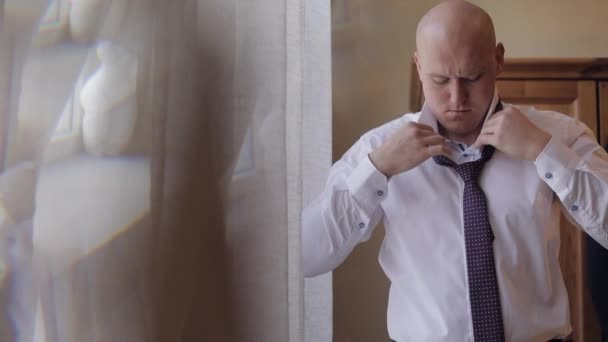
[423,252]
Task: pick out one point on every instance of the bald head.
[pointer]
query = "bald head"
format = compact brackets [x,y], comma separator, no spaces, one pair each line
[457,23]
[458,61]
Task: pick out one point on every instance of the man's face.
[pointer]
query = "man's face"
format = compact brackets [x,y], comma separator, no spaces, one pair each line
[458,83]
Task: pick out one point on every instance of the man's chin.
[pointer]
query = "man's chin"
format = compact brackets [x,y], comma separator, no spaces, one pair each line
[459,129]
[458,115]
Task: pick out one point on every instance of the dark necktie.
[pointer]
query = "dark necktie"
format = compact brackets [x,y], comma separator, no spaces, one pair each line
[478,236]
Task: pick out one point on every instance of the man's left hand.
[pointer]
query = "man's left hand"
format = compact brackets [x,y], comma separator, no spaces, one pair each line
[511,132]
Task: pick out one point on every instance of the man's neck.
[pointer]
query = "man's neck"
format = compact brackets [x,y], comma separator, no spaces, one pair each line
[467,139]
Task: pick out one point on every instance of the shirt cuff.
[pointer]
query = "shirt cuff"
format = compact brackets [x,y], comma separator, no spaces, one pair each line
[556,165]
[368,186]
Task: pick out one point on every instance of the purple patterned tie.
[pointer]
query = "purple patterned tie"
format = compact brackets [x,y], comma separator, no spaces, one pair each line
[478,236]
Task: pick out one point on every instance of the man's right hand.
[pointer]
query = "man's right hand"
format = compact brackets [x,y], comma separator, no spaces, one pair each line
[407,148]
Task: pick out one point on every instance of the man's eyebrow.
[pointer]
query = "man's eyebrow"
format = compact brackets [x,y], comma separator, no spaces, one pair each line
[465,75]
[475,73]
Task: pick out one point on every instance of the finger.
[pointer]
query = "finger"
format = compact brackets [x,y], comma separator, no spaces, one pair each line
[433,140]
[498,113]
[426,128]
[422,136]
[423,126]
[485,139]
[418,131]
[489,129]
[505,108]
[425,134]
[492,122]
[436,150]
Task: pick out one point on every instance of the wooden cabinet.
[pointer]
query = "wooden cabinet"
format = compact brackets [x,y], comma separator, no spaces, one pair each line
[577,87]
[578,99]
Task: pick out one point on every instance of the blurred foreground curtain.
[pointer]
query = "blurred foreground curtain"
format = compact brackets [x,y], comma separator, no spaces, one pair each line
[167,209]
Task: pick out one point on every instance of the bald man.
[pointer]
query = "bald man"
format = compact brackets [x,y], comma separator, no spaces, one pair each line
[469,190]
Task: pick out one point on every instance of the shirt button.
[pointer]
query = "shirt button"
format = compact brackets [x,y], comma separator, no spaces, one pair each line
[574,207]
[380,193]
[548,175]
[361,225]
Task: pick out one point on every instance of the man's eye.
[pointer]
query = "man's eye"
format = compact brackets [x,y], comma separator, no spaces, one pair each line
[474,78]
[440,80]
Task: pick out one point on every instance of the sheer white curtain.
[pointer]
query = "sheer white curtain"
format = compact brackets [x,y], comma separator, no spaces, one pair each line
[189,230]
[17,183]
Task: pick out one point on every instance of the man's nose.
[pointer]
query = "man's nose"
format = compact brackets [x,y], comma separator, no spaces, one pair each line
[458,94]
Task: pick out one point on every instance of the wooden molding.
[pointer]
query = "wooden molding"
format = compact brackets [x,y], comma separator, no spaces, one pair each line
[555,68]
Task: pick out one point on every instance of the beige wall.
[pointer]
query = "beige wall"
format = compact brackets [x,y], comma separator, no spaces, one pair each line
[372,49]
[550,28]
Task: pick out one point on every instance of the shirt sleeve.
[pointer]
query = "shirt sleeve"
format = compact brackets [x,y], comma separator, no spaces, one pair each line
[345,213]
[576,168]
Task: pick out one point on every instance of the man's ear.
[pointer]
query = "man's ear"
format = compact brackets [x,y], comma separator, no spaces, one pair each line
[500,58]
[417,61]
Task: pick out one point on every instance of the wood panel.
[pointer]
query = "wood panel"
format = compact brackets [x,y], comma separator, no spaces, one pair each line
[603,112]
[578,99]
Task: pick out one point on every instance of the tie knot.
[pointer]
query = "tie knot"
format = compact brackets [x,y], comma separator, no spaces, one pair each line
[469,172]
